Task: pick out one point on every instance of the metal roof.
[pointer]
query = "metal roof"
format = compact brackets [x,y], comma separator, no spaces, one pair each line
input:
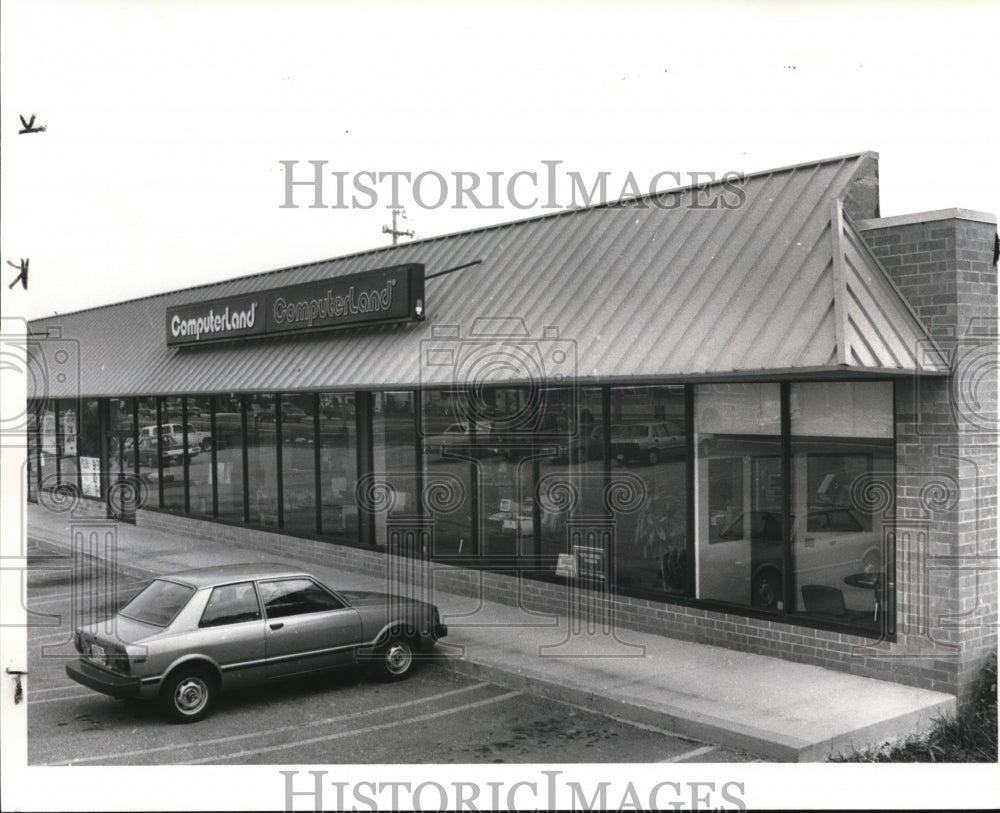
[652,288]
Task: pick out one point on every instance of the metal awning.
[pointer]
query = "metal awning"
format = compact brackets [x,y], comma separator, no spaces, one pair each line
[655,288]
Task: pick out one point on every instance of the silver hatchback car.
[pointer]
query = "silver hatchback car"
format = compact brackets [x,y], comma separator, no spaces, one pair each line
[189,635]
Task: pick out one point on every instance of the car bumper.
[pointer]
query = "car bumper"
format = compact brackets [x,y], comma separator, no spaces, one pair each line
[101,680]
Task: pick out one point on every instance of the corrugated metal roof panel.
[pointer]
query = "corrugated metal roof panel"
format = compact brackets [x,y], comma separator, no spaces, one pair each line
[639,290]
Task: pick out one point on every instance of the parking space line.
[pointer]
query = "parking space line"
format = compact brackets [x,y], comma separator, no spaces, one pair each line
[357,731]
[52,689]
[256,734]
[60,699]
[695,752]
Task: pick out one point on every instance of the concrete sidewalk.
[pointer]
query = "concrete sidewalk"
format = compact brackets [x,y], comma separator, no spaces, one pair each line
[783,711]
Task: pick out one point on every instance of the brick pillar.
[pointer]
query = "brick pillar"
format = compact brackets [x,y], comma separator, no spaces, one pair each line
[946,448]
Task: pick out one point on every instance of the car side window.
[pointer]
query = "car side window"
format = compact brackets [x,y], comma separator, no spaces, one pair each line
[296,597]
[231,604]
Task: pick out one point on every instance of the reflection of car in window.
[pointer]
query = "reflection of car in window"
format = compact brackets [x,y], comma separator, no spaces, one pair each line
[831,544]
[203,440]
[170,450]
[647,442]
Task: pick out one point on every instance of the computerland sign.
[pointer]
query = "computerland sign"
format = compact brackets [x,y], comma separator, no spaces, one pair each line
[382,296]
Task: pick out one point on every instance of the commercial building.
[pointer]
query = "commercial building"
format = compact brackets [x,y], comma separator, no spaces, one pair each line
[752,413]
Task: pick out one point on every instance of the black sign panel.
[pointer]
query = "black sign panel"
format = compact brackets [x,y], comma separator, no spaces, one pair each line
[382,296]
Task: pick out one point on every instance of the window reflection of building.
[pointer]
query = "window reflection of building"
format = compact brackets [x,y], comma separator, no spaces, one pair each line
[262,476]
[740,494]
[338,466]
[648,441]
[842,449]
[228,442]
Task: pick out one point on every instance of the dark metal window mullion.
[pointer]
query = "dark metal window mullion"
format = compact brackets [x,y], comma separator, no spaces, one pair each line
[159,451]
[187,456]
[787,581]
[215,458]
[691,507]
[280,478]
[56,427]
[418,453]
[245,462]
[135,438]
[317,459]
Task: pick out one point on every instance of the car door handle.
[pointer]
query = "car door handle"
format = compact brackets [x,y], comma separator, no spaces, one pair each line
[277,626]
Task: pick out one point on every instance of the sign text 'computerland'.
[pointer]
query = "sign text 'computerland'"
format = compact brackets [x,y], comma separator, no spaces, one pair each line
[382,296]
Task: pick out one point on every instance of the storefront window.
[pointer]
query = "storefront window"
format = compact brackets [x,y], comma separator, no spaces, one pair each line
[298,462]
[228,445]
[262,460]
[173,454]
[649,451]
[121,437]
[740,494]
[842,453]
[148,451]
[571,482]
[33,426]
[48,457]
[199,440]
[448,453]
[394,435]
[338,465]
[68,434]
[516,428]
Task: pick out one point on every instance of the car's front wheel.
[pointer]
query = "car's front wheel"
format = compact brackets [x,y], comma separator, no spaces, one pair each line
[396,657]
[189,694]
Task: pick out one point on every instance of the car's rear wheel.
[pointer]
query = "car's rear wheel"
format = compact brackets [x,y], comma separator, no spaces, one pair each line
[653,457]
[189,694]
[396,657]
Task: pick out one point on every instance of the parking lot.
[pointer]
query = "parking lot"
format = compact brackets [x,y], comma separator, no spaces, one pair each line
[437,716]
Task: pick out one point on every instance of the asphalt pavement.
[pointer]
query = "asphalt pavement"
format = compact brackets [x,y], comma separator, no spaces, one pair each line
[781,710]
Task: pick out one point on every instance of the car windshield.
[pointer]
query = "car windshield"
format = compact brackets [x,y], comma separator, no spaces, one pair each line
[632,430]
[159,603]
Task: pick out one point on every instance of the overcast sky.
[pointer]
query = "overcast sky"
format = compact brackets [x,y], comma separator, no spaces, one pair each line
[166,121]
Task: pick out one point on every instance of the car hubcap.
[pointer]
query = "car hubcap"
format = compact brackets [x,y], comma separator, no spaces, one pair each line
[191,695]
[398,658]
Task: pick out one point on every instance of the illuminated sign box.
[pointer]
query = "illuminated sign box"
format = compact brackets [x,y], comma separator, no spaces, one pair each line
[383,296]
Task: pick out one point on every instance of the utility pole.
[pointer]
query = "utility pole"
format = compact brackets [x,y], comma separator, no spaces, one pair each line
[396,233]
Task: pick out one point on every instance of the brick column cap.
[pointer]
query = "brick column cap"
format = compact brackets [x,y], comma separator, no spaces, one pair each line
[925,217]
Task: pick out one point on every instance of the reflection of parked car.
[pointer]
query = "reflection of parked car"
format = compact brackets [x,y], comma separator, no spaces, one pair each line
[202,440]
[172,451]
[190,635]
[289,412]
[458,440]
[646,442]
[834,544]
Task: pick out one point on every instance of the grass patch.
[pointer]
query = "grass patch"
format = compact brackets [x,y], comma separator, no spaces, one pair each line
[970,737]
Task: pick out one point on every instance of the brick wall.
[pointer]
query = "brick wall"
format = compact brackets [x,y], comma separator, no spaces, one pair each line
[946,448]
